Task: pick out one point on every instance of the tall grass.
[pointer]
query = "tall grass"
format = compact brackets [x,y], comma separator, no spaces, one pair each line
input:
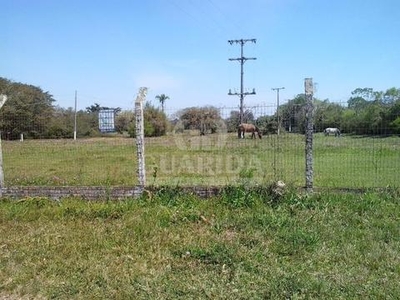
[347,162]
[243,244]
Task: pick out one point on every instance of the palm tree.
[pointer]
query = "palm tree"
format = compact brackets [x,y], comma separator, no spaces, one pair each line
[162,99]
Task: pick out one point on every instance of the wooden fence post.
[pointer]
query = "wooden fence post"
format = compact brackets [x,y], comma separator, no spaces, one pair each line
[3,99]
[309,89]
[141,171]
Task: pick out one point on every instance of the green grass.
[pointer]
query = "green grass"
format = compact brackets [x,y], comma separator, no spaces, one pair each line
[188,159]
[170,245]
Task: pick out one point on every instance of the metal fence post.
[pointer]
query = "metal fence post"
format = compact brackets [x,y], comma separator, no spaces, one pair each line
[141,171]
[308,86]
[3,99]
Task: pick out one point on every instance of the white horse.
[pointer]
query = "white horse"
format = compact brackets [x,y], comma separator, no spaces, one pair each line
[330,130]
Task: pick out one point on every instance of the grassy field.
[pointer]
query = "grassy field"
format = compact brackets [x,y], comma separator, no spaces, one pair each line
[190,159]
[168,245]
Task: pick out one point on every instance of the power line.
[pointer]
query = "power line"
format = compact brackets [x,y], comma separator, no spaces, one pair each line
[213,27]
[207,15]
[227,19]
[242,60]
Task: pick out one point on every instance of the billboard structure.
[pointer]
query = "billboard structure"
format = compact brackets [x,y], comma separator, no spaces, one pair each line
[107,120]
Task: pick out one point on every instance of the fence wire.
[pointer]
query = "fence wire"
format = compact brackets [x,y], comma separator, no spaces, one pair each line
[202,147]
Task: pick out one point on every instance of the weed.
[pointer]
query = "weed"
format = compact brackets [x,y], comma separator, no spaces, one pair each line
[174,245]
[237,196]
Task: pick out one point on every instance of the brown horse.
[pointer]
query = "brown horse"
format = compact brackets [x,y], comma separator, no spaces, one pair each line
[248,128]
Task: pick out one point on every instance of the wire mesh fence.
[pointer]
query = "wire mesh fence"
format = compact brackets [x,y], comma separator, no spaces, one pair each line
[201,146]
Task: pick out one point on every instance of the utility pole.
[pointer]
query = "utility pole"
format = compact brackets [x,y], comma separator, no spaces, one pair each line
[242,60]
[277,106]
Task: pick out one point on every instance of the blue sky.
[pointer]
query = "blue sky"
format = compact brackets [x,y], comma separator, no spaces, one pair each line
[106,50]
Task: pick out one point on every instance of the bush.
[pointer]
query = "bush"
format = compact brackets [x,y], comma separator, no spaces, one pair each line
[155,122]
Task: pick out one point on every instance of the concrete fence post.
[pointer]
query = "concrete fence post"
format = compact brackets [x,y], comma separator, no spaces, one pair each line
[309,91]
[3,99]
[141,171]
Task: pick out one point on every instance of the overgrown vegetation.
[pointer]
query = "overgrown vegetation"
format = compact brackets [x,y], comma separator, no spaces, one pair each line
[206,119]
[171,245]
[155,122]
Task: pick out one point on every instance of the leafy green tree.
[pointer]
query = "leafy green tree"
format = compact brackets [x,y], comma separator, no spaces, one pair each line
[267,124]
[162,98]
[205,119]
[395,125]
[391,96]
[87,124]
[367,94]
[248,116]
[293,114]
[327,114]
[94,108]
[349,124]
[123,121]
[374,112]
[357,103]
[28,110]
[232,122]
[62,123]
[155,122]
[371,119]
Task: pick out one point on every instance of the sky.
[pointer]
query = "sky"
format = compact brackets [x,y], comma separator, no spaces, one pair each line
[107,50]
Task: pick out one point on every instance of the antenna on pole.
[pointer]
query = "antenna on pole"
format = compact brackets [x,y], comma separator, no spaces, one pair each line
[242,60]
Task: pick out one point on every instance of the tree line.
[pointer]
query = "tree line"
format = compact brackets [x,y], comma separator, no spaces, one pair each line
[32,112]
[367,112]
